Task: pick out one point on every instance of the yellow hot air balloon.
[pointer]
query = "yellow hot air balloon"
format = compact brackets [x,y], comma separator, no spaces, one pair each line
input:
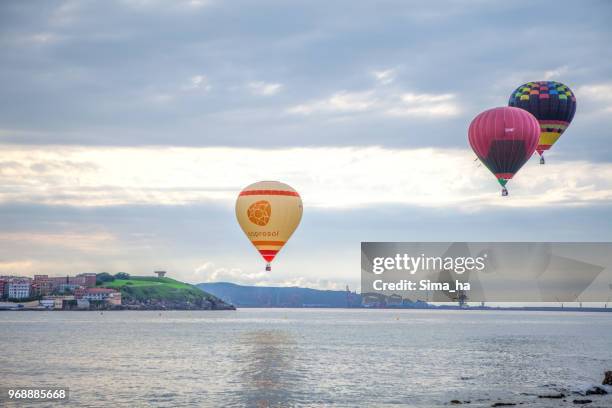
[268,212]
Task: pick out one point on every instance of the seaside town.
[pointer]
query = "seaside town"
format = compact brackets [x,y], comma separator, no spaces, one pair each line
[104,291]
[66,292]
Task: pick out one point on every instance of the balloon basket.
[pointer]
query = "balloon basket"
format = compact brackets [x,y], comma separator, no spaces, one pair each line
[268,267]
[504,192]
[542,161]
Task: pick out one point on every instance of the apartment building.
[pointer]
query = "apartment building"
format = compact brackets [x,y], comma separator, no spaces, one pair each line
[19,288]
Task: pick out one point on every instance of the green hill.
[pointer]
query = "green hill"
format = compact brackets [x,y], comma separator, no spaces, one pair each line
[146,292]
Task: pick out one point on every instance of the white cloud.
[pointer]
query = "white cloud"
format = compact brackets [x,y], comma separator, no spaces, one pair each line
[12,267]
[193,85]
[385,77]
[161,98]
[66,13]
[382,102]
[197,3]
[343,177]
[204,268]
[68,249]
[42,38]
[596,97]
[234,275]
[162,5]
[426,105]
[339,102]
[198,82]
[208,272]
[597,92]
[264,88]
[92,241]
[508,82]
[425,99]
[555,73]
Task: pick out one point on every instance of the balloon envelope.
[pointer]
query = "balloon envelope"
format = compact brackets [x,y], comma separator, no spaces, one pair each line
[552,103]
[268,212]
[504,139]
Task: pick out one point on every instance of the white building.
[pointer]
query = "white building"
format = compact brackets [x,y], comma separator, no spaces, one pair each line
[19,288]
[101,294]
[82,304]
[47,303]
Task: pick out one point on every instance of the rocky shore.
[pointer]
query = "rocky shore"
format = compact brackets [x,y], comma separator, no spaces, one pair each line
[594,396]
[204,304]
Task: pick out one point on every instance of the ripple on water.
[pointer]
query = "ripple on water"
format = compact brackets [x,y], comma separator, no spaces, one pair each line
[257,357]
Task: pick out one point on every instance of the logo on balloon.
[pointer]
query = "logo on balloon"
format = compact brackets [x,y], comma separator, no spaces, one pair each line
[259,212]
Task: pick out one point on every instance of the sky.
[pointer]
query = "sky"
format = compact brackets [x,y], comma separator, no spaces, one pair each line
[127,129]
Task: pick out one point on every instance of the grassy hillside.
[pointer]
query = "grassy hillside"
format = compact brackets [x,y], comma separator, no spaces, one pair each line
[146,281]
[161,291]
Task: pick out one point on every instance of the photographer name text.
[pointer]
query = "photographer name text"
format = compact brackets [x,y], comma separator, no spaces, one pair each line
[405,285]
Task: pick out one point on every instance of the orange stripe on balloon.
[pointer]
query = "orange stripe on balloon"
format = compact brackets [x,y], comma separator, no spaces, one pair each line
[269,192]
[273,243]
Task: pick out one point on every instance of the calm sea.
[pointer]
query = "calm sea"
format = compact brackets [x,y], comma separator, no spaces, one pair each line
[306,357]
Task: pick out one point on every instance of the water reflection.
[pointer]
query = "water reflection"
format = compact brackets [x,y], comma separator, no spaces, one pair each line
[267,369]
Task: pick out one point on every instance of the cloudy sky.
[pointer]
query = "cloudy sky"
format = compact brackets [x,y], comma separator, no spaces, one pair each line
[127,128]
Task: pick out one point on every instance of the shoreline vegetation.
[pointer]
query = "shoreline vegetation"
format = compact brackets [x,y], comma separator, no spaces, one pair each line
[130,293]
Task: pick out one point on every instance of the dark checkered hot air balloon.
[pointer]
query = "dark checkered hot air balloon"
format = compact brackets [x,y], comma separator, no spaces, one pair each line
[552,103]
[504,139]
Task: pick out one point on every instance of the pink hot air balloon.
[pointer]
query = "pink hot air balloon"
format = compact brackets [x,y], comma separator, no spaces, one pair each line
[504,139]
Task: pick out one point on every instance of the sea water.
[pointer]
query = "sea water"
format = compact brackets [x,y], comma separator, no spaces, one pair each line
[307,357]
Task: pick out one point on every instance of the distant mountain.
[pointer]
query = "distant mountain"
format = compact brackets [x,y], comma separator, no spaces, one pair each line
[267,296]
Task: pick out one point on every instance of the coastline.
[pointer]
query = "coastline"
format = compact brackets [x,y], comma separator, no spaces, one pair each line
[227,306]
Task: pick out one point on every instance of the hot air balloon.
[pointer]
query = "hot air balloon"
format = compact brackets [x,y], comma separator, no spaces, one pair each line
[268,212]
[552,103]
[504,139]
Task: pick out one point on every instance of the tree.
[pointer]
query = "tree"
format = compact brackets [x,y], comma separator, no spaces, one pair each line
[122,275]
[104,277]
